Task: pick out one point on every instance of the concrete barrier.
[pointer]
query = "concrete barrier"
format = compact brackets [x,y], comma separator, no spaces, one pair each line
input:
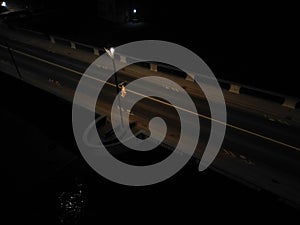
[123,59]
[96,51]
[73,45]
[262,94]
[290,102]
[234,88]
[52,39]
[153,67]
[286,101]
[190,77]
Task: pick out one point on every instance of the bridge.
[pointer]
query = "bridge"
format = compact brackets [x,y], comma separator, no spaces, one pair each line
[261,146]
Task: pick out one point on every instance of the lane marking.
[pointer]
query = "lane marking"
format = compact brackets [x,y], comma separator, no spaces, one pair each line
[3,46]
[165,103]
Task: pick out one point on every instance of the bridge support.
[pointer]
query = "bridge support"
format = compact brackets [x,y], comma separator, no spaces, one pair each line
[234,88]
[290,102]
[96,51]
[123,59]
[73,45]
[190,77]
[52,39]
[153,67]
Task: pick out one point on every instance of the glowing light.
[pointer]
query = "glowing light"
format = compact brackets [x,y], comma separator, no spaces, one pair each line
[134,11]
[4,4]
[112,50]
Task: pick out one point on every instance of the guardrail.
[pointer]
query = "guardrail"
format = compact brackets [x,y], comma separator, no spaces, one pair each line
[233,87]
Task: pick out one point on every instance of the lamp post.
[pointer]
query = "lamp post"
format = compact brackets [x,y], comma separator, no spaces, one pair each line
[111,53]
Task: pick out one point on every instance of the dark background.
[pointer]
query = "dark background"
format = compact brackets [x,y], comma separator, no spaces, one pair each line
[245,42]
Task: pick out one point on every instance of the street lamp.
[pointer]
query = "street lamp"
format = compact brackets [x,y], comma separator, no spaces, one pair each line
[111,53]
[4,4]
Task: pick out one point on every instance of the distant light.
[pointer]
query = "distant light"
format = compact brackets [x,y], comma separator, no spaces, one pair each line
[134,11]
[3,4]
[112,50]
